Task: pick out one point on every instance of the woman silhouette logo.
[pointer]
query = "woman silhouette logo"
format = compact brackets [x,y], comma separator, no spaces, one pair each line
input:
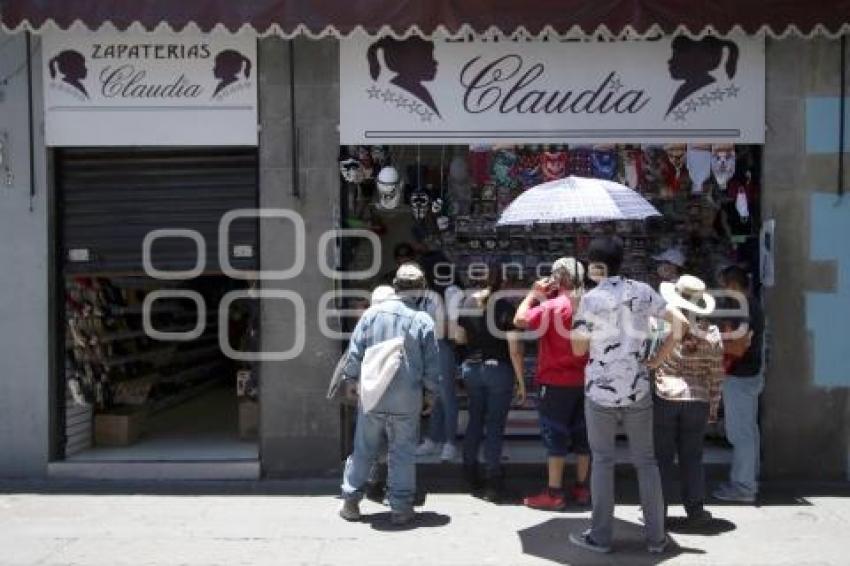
[693,60]
[229,64]
[413,62]
[72,65]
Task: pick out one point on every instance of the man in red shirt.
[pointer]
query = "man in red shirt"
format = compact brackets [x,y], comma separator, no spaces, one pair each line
[548,310]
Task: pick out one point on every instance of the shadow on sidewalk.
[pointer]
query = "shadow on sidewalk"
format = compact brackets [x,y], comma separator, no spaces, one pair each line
[424,520]
[549,541]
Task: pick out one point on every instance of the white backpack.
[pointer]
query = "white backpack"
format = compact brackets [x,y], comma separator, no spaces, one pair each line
[380,365]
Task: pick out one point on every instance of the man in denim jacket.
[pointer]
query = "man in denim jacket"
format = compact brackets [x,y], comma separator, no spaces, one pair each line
[397,414]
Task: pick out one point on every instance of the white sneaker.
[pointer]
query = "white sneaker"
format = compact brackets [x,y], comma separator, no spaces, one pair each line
[449,452]
[427,448]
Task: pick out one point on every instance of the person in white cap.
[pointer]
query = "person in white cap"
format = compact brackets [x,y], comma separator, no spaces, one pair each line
[393,414]
[671,263]
[687,396]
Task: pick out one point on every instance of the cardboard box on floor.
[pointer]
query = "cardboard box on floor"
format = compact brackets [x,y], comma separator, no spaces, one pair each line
[249,419]
[118,428]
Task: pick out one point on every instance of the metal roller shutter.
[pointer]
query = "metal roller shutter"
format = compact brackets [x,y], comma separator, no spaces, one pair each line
[111,198]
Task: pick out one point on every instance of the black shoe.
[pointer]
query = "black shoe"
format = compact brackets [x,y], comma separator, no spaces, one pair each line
[472,478]
[697,517]
[493,490]
[376,491]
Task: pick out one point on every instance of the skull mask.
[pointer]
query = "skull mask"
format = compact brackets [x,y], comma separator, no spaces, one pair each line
[389,188]
[351,170]
[419,202]
[437,206]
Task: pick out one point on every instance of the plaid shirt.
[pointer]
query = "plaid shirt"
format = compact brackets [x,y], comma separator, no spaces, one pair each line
[694,371]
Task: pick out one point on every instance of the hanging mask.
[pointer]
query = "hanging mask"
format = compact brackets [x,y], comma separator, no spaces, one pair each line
[488,192]
[460,186]
[442,223]
[554,165]
[529,169]
[699,166]
[742,207]
[389,188]
[632,168]
[659,173]
[352,171]
[419,204]
[502,168]
[604,164]
[723,163]
[364,156]
[380,155]
[437,206]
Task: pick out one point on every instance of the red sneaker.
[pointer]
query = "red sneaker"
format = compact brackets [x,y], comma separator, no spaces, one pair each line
[580,494]
[547,500]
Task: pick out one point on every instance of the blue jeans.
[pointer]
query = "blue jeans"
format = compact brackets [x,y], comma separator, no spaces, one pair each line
[443,422]
[490,389]
[402,434]
[741,405]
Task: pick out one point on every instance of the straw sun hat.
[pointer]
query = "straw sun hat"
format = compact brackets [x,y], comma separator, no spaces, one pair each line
[688,293]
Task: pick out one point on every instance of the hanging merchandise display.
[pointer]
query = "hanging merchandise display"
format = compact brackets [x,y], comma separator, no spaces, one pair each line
[699,165]
[722,163]
[389,188]
[502,167]
[632,167]
[603,161]
[460,184]
[676,155]
[419,204]
[703,226]
[352,170]
[580,161]
[554,163]
[364,156]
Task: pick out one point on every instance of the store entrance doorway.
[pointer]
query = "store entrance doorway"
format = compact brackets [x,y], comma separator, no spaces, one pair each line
[144,376]
[451,196]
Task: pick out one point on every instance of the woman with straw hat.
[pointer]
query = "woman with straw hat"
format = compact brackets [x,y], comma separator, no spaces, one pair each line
[687,393]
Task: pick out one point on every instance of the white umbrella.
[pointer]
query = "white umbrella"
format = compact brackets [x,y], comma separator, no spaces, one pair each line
[577,199]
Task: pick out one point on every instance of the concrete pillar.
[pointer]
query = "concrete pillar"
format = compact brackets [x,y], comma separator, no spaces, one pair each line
[299,428]
[804,425]
[24,267]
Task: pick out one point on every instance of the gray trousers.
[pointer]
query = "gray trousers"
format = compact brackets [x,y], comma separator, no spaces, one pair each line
[601,434]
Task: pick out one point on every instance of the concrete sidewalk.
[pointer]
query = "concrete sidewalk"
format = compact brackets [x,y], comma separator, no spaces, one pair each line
[274,523]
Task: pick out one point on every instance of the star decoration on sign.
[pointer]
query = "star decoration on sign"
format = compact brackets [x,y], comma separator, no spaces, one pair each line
[717,94]
[413,106]
[373,92]
[732,90]
[616,84]
[705,100]
[691,106]
[679,115]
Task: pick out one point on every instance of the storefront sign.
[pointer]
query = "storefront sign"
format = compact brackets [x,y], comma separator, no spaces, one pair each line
[443,91]
[149,89]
